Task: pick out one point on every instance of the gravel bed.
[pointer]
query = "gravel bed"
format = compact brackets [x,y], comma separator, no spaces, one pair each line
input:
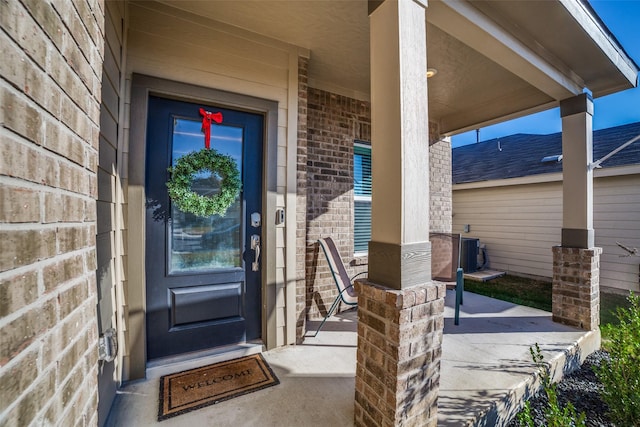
[582,389]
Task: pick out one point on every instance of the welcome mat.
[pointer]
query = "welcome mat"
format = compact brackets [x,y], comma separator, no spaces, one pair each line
[196,388]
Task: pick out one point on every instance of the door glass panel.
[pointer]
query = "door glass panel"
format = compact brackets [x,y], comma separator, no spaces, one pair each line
[197,243]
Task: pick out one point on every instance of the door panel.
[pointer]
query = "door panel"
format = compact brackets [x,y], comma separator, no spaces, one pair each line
[201,289]
[205,303]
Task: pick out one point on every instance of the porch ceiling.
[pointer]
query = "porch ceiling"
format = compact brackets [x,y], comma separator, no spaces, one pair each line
[495,59]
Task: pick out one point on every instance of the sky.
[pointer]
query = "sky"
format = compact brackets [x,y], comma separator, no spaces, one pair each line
[622,17]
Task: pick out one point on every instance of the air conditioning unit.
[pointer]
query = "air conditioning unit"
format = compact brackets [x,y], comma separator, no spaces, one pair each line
[469,254]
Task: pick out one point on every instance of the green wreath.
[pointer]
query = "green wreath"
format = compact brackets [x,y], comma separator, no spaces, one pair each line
[182,175]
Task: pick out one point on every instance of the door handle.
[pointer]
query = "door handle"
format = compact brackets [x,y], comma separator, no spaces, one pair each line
[255,245]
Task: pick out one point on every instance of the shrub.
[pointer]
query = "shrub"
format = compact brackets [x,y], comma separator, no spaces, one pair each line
[555,414]
[620,375]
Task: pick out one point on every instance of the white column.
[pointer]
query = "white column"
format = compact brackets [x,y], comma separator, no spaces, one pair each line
[399,253]
[577,177]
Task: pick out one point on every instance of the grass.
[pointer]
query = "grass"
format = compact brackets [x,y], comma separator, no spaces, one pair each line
[608,306]
[518,290]
[537,294]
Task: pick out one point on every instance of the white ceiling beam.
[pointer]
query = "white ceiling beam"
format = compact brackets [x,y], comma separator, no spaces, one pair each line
[467,24]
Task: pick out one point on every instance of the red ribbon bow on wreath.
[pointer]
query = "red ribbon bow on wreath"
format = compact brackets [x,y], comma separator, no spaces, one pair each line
[207,118]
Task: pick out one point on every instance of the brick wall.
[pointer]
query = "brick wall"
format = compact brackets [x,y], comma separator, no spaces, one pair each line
[443,247]
[50,107]
[399,351]
[441,202]
[329,124]
[575,295]
[333,123]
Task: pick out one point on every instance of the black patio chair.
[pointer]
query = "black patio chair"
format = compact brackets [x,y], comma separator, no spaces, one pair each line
[344,283]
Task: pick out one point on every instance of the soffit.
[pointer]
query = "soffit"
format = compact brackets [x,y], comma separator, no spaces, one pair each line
[335,32]
[571,36]
[474,85]
[470,88]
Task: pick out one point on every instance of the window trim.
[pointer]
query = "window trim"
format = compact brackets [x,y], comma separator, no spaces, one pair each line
[359,198]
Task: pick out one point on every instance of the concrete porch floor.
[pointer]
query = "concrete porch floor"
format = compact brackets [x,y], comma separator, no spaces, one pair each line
[486,369]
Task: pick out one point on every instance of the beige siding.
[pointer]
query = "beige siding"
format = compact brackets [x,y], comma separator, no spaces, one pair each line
[520,223]
[109,230]
[108,179]
[168,43]
[616,214]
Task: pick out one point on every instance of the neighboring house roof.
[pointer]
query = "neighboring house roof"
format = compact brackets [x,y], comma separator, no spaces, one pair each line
[521,154]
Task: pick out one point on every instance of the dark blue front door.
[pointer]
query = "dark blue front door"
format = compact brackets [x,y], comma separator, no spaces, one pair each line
[203,288]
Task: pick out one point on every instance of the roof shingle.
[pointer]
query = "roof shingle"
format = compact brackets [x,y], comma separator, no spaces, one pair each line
[521,154]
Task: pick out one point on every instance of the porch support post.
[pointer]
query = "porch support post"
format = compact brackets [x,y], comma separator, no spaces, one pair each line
[576,263]
[400,310]
[577,177]
[399,251]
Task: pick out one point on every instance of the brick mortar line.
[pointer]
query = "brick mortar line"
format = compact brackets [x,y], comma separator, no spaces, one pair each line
[99,6]
[381,336]
[53,81]
[48,369]
[34,104]
[50,78]
[54,362]
[73,37]
[29,268]
[372,391]
[39,266]
[36,226]
[25,52]
[6,180]
[85,409]
[53,259]
[84,24]
[44,298]
[21,139]
[61,384]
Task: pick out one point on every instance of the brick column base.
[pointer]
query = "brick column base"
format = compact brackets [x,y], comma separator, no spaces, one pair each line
[576,287]
[399,350]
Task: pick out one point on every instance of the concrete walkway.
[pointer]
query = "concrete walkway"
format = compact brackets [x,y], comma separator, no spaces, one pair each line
[486,368]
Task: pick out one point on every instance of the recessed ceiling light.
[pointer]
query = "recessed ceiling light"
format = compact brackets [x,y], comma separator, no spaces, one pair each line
[431,72]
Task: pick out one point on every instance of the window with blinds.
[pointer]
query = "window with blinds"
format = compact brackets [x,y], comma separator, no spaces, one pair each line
[362,197]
